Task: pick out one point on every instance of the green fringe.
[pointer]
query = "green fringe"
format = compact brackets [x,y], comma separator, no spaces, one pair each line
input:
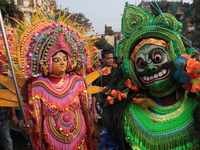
[135,135]
[125,69]
[120,48]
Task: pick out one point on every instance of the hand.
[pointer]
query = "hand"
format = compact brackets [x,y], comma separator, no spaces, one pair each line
[14,120]
[1,66]
[100,140]
[26,128]
[95,116]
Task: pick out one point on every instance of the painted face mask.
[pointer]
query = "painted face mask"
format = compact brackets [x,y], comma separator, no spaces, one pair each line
[59,64]
[154,68]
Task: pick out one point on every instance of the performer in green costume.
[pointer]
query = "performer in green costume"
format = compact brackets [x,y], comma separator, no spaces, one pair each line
[153,102]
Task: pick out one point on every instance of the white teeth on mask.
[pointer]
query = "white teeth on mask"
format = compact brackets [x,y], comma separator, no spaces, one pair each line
[160,74]
[155,76]
[151,77]
[145,78]
[164,71]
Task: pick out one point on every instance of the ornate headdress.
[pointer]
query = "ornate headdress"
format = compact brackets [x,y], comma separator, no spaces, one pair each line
[41,36]
[138,24]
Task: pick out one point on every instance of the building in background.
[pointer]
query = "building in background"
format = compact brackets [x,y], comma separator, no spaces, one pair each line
[177,9]
[112,37]
[145,5]
[24,4]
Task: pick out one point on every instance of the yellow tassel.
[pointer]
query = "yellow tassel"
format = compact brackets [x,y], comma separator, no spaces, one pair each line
[53,16]
[62,17]
[87,31]
[26,18]
[67,18]
[74,23]
[81,27]
[44,13]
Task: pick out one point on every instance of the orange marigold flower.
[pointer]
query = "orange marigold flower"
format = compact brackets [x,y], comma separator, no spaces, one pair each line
[186,56]
[110,99]
[192,86]
[124,95]
[129,85]
[114,93]
[192,66]
[118,94]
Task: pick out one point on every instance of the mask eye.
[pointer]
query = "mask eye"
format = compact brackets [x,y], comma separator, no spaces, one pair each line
[141,63]
[158,58]
[57,59]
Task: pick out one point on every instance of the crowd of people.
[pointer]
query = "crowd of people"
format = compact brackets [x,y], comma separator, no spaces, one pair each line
[146,91]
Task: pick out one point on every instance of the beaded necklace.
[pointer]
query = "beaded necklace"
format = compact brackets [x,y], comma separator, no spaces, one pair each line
[169,113]
[147,130]
[166,109]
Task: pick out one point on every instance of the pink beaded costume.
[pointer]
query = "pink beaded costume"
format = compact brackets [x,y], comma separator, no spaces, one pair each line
[58,106]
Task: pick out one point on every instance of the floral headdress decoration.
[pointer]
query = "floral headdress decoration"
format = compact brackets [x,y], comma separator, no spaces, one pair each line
[41,35]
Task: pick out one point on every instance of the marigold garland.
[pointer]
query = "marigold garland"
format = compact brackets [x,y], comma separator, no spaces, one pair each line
[129,85]
[116,94]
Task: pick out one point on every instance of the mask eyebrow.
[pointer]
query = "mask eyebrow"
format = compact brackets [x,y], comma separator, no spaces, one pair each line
[64,57]
[140,56]
[56,58]
[149,50]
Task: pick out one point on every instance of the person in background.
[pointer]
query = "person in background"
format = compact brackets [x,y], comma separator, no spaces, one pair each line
[95,67]
[104,80]
[116,62]
[5,138]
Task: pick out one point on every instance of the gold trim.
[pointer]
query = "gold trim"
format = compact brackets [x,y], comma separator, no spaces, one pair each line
[145,42]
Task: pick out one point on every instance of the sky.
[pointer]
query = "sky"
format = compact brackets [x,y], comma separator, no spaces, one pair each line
[100,12]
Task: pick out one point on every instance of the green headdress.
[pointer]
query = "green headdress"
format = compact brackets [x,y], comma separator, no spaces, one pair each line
[138,24]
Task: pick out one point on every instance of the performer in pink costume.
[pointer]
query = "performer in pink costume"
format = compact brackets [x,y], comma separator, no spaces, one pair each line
[52,55]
